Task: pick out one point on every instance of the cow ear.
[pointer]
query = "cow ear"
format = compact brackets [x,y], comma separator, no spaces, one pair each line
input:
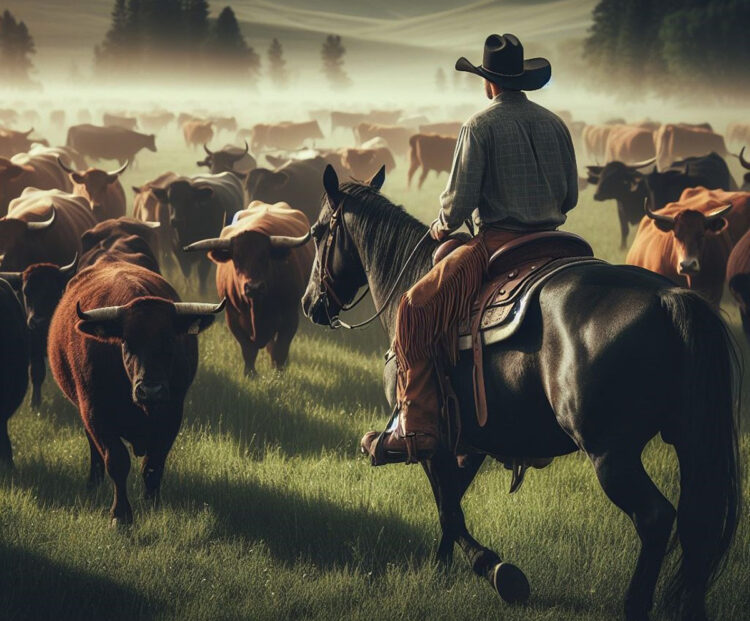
[161,194]
[331,185]
[105,330]
[136,189]
[378,179]
[193,324]
[220,256]
[717,226]
[77,178]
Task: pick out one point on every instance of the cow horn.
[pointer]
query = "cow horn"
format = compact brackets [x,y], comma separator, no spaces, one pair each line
[120,170]
[151,225]
[283,241]
[68,170]
[215,243]
[70,268]
[40,226]
[718,213]
[13,278]
[642,164]
[28,133]
[206,149]
[743,161]
[105,313]
[237,158]
[655,216]
[196,308]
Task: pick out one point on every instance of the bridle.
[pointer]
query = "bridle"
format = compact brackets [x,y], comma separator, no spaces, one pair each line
[326,280]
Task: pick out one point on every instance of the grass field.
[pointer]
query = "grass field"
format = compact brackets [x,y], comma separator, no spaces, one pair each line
[268,511]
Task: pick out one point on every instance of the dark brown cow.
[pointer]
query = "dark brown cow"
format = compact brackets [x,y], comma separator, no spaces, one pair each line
[228,159]
[396,136]
[14,362]
[115,120]
[431,152]
[629,144]
[688,241]
[197,132]
[676,142]
[38,169]
[155,121]
[738,279]
[285,136]
[109,143]
[122,348]
[442,129]
[43,226]
[122,239]
[102,189]
[264,261]
[148,208]
[12,142]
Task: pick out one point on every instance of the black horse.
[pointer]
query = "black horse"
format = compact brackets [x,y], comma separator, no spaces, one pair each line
[608,357]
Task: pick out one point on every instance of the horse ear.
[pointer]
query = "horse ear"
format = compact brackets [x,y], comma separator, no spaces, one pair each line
[331,184]
[378,179]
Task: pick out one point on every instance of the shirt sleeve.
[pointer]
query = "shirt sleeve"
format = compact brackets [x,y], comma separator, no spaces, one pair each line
[571,173]
[461,195]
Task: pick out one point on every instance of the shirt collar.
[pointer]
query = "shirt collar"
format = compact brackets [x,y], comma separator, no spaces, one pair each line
[506,96]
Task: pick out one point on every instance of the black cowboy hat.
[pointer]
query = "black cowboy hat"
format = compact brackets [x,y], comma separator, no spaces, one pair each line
[504,65]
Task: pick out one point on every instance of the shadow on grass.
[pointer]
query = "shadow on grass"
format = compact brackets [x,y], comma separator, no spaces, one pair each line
[37,588]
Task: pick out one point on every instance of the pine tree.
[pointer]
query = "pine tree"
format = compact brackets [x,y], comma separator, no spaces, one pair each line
[196,20]
[115,41]
[440,79]
[228,47]
[333,62]
[16,48]
[276,64]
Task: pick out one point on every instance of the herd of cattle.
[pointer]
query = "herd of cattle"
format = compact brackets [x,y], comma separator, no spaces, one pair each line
[82,282]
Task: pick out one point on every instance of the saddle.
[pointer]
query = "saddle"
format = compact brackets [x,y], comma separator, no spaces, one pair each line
[516,273]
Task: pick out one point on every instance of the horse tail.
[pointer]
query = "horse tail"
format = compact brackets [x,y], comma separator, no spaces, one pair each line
[705,438]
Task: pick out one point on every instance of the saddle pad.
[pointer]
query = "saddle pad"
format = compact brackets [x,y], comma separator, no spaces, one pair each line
[512,295]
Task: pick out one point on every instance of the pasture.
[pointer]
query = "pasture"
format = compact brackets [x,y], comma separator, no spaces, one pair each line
[269,512]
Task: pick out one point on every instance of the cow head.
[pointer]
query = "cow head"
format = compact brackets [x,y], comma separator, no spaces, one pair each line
[42,286]
[616,180]
[187,202]
[266,185]
[251,253]
[690,229]
[20,239]
[93,184]
[147,330]
[222,161]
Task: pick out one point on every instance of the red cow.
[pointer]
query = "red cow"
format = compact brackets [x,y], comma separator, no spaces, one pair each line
[431,152]
[263,265]
[689,241]
[197,132]
[122,348]
[285,136]
[102,189]
[629,144]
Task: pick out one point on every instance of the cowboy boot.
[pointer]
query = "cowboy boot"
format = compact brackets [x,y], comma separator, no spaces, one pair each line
[416,436]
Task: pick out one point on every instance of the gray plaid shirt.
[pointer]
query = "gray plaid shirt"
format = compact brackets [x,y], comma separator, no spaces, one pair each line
[514,164]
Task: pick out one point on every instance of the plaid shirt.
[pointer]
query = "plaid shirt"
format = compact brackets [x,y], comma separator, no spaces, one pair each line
[514,165]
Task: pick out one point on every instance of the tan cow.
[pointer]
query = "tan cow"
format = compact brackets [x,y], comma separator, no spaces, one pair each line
[430,152]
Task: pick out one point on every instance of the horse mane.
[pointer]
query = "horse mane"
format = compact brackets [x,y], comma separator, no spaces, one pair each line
[386,235]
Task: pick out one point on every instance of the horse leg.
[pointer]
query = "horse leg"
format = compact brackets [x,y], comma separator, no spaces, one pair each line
[449,483]
[627,484]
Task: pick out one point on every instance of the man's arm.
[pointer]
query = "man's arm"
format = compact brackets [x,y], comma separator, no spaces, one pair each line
[461,195]
[571,173]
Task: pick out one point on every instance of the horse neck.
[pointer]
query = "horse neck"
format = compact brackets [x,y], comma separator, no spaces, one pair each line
[384,239]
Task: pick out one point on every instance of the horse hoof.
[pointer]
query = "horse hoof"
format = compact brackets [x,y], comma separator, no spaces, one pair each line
[510,583]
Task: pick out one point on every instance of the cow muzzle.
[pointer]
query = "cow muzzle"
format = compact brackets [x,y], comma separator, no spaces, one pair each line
[255,290]
[690,265]
[150,392]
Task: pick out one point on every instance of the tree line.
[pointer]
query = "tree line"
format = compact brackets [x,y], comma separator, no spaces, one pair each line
[671,47]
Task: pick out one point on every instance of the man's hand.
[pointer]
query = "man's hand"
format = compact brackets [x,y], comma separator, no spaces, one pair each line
[437,232]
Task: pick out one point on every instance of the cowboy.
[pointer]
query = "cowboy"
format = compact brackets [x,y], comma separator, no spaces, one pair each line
[514,168]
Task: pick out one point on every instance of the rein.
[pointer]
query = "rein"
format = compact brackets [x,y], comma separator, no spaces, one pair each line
[326,278]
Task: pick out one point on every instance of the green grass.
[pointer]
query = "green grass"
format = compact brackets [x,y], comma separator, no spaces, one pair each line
[268,512]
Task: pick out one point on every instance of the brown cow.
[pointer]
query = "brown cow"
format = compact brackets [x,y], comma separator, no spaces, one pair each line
[676,142]
[443,129]
[595,141]
[43,226]
[629,144]
[12,142]
[148,208]
[688,241]
[348,162]
[197,132]
[285,136]
[115,120]
[102,189]
[155,121]
[109,143]
[384,117]
[122,348]
[225,123]
[347,120]
[431,152]
[738,133]
[121,239]
[738,279]
[264,261]
[396,136]
[38,169]
[228,159]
